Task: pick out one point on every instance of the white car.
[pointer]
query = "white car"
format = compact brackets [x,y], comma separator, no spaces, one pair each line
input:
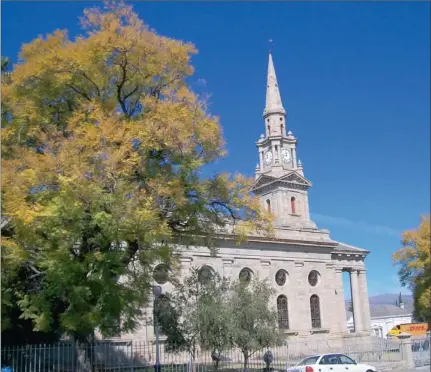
[330,363]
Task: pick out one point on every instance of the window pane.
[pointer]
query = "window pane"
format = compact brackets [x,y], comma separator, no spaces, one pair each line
[315,312]
[345,360]
[283,315]
[308,361]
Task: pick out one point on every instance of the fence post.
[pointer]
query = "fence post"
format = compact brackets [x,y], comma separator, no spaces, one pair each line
[406,349]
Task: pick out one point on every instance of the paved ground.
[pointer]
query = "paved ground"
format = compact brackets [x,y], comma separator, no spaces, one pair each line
[417,369]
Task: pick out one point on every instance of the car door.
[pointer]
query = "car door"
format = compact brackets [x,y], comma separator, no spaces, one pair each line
[329,363]
[346,364]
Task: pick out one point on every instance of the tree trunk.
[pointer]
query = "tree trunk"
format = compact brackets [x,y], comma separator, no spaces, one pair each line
[216,365]
[83,349]
[83,362]
[246,356]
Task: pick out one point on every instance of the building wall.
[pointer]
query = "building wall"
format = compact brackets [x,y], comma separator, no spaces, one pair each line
[265,260]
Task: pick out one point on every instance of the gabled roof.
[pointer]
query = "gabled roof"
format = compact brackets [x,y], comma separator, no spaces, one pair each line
[382,311]
[292,177]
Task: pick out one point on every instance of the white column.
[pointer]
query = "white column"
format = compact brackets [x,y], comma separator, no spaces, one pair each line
[306,207]
[261,159]
[294,158]
[365,303]
[341,313]
[356,299]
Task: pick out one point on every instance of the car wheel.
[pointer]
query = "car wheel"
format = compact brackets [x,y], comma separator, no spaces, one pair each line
[369,370]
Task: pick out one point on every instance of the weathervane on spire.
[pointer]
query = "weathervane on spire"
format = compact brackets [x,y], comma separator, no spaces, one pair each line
[271,44]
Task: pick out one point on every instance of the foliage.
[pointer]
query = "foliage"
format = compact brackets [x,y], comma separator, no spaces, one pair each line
[102,148]
[254,322]
[195,314]
[414,263]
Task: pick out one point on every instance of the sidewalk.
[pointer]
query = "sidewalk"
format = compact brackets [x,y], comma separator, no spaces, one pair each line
[417,369]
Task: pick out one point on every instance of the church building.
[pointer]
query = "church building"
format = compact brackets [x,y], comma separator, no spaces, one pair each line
[301,261]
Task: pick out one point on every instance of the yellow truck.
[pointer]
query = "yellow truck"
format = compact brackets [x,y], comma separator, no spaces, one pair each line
[415,329]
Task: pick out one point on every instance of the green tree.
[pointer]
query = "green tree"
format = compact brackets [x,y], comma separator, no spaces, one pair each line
[254,322]
[414,262]
[101,162]
[196,314]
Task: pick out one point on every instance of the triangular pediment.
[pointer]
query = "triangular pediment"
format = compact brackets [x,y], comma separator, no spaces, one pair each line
[295,177]
[291,178]
[262,180]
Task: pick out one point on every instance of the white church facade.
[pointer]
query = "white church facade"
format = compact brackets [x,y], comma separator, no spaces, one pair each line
[301,261]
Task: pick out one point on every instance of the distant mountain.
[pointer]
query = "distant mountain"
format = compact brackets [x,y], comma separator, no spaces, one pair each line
[390,299]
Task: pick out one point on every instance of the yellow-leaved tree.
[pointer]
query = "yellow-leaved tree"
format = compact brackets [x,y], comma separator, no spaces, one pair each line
[414,261]
[103,142]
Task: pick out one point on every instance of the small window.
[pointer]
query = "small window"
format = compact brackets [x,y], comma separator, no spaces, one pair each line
[315,312]
[161,274]
[293,204]
[280,277]
[245,275]
[269,129]
[205,275]
[268,205]
[313,278]
[281,119]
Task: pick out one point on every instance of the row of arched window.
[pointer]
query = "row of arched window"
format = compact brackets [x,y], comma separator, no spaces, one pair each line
[283,312]
[292,205]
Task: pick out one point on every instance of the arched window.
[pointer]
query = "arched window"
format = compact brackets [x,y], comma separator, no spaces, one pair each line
[283,313]
[269,130]
[268,205]
[315,312]
[205,275]
[292,204]
[281,127]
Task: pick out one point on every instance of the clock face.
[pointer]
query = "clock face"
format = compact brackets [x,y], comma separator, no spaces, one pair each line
[268,157]
[286,156]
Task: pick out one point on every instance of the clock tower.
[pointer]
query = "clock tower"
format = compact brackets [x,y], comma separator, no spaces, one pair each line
[280,181]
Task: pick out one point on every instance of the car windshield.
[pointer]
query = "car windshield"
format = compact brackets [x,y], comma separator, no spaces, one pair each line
[309,360]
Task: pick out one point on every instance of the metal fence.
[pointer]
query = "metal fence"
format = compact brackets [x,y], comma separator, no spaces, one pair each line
[137,355]
[421,351]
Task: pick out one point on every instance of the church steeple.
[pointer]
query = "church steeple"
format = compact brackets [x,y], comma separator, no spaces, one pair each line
[273,104]
[280,181]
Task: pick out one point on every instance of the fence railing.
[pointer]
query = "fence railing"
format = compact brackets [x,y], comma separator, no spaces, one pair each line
[138,355]
[421,351]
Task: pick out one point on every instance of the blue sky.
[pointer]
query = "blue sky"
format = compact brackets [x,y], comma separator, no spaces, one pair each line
[354,79]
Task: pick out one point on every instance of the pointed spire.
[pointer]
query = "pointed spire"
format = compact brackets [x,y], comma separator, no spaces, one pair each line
[273,99]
